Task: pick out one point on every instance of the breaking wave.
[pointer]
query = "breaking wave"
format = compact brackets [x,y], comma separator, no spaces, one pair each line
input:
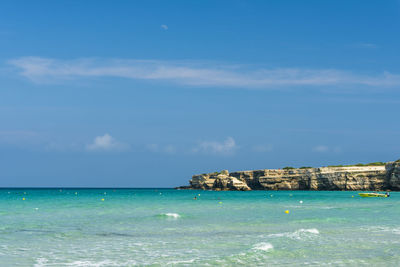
[263,246]
[170,215]
[299,234]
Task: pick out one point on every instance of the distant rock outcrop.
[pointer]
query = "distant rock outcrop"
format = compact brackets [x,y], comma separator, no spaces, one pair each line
[362,178]
[393,175]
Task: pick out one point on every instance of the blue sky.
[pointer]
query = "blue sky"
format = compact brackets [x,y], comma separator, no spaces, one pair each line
[147,93]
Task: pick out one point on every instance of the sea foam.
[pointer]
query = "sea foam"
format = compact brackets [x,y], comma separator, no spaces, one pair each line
[299,234]
[312,231]
[263,246]
[172,215]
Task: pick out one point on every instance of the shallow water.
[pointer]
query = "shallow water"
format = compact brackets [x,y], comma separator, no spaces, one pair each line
[76,227]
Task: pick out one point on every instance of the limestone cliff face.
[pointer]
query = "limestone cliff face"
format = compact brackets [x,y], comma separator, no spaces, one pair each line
[218,181]
[368,178]
[393,175]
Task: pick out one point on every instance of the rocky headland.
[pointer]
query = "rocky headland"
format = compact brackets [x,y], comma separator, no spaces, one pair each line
[353,178]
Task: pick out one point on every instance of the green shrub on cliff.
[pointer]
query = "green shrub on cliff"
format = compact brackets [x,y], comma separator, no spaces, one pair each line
[288,168]
[379,163]
[304,167]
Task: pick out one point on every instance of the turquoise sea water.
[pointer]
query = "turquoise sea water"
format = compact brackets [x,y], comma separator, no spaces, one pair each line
[75,227]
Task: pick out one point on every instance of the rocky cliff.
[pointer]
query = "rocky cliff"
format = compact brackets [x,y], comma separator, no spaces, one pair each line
[393,175]
[368,178]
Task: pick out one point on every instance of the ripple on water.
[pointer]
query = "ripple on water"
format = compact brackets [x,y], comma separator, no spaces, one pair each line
[263,246]
[299,234]
[170,215]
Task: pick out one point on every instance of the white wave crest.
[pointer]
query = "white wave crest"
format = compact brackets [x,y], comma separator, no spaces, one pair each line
[311,231]
[394,230]
[299,234]
[172,215]
[263,246]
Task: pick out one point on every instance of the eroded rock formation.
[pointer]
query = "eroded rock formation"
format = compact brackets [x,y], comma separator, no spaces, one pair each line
[371,178]
[393,175]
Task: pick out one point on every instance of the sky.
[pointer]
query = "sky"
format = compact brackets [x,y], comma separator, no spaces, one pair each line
[148,93]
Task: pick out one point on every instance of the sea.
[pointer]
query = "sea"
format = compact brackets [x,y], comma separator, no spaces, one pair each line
[168,227]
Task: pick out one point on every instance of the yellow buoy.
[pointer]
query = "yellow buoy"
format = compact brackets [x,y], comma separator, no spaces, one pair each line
[220,202]
[102,199]
[286,211]
[352,196]
[23,198]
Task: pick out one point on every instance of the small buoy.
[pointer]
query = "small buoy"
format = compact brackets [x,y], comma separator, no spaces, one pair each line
[220,202]
[36,208]
[76,193]
[24,193]
[199,195]
[290,195]
[272,195]
[23,198]
[160,193]
[352,196]
[301,201]
[102,199]
[105,193]
[286,211]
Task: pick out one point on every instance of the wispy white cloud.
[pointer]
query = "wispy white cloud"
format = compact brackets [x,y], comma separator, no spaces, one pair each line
[228,146]
[263,148]
[366,45]
[321,148]
[106,143]
[164,27]
[54,146]
[42,70]
[326,149]
[167,149]
[20,137]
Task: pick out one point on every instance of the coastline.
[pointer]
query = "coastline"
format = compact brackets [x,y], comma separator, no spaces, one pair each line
[335,178]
